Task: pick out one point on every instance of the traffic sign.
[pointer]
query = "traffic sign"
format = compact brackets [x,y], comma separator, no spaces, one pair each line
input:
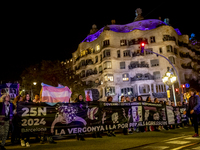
[187,85]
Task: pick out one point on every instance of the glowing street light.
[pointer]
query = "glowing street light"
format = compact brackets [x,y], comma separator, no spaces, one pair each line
[34,83]
[170,79]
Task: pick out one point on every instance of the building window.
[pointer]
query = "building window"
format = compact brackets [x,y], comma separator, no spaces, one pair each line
[98,48]
[169,48]
[95,71]
[150,51]
[122,65]
[96,59]
[82,73]
[125,77]
[140,40]
[154,62]
[160,49]
[106,43]
[118,54]
[127,91]
[109,91]
[82,63]
[101,58]
[106,53]
[152,88]
[100,69]
[144,88]
[152,39]
[108,77]
[172,59]
[123,42]
[127,53]
[175,51]
[156,75]
[107,65]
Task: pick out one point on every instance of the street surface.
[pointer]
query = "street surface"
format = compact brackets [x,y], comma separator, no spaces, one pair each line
[174,139]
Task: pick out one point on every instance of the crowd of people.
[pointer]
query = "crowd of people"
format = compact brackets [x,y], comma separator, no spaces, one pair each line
[10,120]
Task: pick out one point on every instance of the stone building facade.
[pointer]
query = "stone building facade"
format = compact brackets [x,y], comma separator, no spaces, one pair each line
[110,58]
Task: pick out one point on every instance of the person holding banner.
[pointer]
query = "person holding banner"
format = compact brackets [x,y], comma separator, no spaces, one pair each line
[80,136]
[193,110]
[6,114]
[110,132]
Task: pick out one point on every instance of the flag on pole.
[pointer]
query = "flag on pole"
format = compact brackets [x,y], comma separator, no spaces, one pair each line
[53,94]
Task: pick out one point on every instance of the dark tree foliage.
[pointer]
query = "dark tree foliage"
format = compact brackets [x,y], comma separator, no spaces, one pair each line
[51,73]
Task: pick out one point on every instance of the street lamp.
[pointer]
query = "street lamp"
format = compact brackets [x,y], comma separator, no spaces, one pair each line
[170,79]
[34,83]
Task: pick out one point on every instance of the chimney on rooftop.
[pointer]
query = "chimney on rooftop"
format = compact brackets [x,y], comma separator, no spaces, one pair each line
[113,21]
[166,20]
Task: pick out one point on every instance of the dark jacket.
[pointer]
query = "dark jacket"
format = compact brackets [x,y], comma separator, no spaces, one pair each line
[194,104]
[3,117]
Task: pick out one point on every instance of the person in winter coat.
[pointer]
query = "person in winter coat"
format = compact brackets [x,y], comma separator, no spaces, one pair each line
[193,110]
[6,115]
[80,136]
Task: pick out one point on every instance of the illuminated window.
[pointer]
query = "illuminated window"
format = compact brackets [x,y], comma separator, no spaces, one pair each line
[98,48]
[123,42]
[107,65]
[125,77]
[109,91]
[100,69]
[83,53]
[108,77]
[70,59]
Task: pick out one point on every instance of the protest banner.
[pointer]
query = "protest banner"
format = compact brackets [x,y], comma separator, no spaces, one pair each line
[73,118]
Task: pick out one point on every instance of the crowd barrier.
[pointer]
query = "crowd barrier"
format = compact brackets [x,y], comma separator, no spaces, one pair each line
[72,118]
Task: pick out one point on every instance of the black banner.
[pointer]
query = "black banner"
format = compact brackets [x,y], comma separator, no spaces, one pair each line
[72,118]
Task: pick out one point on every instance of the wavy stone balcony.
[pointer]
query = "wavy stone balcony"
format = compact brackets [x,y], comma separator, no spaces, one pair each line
[140,76]
[136,65]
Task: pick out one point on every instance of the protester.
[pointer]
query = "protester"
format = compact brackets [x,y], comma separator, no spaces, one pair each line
[37,99]
[18,98]
[27,98]
[110,132]
[139,99]
[125,131]
[148,99]
[127,99]
[79,100]
[122,99]
[88,96]
[193,110]
[133,99]
[156,100]
[16,120]
[6,114]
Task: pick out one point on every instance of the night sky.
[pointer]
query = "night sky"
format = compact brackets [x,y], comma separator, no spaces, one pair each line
[35,32]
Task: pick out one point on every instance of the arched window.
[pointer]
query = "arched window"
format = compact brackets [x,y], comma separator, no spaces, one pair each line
[172,59]
[169,48]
